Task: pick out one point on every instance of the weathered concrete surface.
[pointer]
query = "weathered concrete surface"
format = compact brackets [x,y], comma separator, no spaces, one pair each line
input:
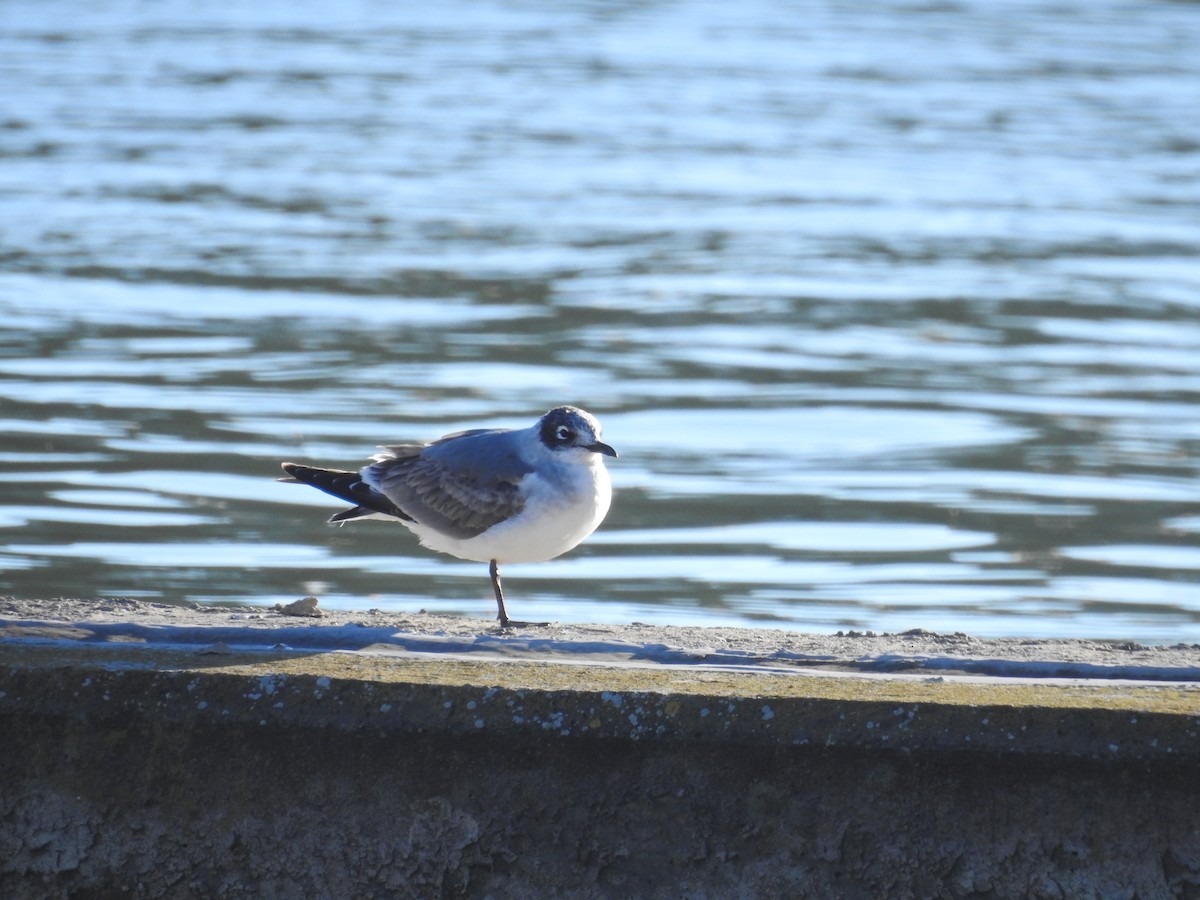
[144,769]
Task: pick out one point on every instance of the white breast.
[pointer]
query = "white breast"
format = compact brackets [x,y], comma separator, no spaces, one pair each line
[562,507]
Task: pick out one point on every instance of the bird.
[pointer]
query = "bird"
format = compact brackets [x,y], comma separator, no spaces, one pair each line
[484,495]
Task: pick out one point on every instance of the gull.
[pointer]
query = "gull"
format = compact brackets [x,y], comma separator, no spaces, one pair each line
[486,495]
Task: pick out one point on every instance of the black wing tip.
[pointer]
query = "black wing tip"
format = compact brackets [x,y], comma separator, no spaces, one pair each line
[349,515]
[347,486]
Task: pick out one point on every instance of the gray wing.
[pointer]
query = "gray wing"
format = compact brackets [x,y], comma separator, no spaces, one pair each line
[461,485]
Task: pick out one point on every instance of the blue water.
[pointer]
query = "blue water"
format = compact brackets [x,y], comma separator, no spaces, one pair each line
[893,310]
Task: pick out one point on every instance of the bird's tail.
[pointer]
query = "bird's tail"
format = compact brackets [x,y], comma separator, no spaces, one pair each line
[347,486]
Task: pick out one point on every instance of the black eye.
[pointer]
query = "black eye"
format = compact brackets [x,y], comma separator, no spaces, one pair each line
[562,434]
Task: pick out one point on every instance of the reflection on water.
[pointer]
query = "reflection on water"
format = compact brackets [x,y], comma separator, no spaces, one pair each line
[893,310]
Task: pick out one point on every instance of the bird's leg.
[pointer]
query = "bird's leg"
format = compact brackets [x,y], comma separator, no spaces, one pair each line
[505,621]
[494,571]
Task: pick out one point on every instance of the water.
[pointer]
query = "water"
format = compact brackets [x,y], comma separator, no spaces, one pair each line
[893,310]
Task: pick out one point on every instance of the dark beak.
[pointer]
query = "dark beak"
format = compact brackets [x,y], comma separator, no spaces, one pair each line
[601,447]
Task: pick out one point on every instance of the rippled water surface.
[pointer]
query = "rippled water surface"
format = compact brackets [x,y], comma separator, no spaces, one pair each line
[893,309]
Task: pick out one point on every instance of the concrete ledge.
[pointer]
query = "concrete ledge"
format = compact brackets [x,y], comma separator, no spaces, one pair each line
[214,769]
[353,692]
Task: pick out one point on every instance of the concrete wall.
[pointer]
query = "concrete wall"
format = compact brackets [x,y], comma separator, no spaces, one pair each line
[223,778]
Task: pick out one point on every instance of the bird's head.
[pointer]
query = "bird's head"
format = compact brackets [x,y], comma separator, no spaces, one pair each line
[567,429]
